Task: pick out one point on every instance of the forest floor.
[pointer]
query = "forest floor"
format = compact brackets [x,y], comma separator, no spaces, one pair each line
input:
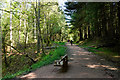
[82,64]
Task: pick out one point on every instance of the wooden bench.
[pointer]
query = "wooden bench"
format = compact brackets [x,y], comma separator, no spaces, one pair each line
[63,62]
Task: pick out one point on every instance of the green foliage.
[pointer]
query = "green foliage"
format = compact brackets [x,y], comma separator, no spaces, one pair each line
[101,18]
[24,29]
[108,53]
[56,54]
[48,59]
[60,43]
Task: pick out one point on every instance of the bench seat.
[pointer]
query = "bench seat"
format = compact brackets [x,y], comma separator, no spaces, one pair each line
[62,62]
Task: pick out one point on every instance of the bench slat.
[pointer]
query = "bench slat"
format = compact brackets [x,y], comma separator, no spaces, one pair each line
[63,57]
[62,61]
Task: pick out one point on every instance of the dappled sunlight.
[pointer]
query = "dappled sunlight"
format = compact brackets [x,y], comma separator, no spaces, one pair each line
[35,51]
[93,66]
[71,58]
[113,68]
[40,38]
[86,58]
[83,59]
[102,59]
[116,56]
[11,54]
[104,66]
[81,42]
[29,76]
[74,54]
[81,54]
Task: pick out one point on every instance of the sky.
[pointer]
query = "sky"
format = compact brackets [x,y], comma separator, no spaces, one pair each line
[62,4]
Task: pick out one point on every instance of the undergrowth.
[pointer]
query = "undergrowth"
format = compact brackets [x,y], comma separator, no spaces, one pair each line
[48,59]
[109,53]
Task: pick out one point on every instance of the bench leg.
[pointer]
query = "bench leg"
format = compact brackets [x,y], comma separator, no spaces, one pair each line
[65,63]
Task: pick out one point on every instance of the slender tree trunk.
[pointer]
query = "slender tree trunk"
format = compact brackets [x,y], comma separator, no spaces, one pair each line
[4,51]
[39,32]
[2,40]
[48,36]
[20,24]
[93,32]
[35,31]
[25,29]
[119,16]
[80,34]
[36,24]
[19,31]
[45,33]
[99,24]
[11,26]
[5,58]
[89,36]
[104,28]
[85,33]
[33,25]
[110,24]
[0,45]
[48,31]
[25,37]
[118,21]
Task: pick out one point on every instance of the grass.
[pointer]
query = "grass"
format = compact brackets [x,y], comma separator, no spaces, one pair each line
[60,43]
[108,53]
[56,54]
[48,59]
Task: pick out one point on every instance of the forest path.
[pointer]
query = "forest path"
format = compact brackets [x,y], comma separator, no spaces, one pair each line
[82,64]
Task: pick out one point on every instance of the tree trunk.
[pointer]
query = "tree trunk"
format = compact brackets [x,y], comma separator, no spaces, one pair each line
[20,25]
[110,24]
[0,45]
[39,32]
[48,31]
[33,25]
[80,34]
[85,33]
[119,16]
[118,22]
[89,36]
[25,38]
[11,26]
[104,28]
[4,50]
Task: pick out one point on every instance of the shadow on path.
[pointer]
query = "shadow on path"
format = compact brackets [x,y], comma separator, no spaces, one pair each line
[82,64]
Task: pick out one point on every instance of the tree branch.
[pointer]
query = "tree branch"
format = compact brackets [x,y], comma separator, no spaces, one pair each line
[13,47]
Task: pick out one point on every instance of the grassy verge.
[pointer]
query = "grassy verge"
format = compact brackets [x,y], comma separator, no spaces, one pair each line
[60,43]
[48,59]
[109,53]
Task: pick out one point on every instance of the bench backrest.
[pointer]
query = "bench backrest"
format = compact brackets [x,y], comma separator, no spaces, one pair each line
[64,57]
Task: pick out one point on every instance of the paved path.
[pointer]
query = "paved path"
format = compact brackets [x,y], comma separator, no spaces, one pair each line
[82,64]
